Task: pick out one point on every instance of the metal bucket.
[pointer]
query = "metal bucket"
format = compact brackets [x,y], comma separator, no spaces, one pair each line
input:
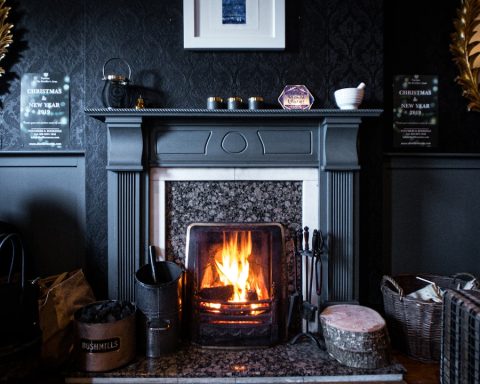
[103,346]
[160,307]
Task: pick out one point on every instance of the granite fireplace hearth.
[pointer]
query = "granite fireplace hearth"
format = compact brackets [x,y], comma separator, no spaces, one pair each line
[299,363]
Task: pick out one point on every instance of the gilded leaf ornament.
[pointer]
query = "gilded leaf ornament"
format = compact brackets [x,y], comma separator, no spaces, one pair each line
[465,47]
[6,37]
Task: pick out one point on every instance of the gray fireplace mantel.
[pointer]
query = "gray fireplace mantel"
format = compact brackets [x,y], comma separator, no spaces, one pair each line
[323,138]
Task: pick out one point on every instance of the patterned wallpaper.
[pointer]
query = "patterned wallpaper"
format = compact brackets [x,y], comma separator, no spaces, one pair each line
[330,44]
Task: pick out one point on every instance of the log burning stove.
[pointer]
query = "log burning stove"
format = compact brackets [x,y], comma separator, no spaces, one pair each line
[236,286]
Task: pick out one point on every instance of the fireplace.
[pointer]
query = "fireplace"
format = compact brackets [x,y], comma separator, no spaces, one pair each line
[236,285]
[181,196]
[223,140]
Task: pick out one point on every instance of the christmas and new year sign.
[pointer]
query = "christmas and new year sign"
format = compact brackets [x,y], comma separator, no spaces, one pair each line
[415,111]
[45,110]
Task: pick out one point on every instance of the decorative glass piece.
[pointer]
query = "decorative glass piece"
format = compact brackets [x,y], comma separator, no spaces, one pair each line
[296,97]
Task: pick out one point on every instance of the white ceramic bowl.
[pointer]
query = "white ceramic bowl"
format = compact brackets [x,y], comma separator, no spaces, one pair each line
[349,98]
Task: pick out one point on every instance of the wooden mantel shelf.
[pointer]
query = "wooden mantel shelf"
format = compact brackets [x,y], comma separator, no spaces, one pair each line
[102,113]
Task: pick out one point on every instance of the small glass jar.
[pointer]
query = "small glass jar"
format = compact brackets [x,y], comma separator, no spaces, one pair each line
[255,102]
[214,102]
[234,102]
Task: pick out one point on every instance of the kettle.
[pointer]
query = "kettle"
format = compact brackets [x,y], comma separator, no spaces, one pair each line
[115,92]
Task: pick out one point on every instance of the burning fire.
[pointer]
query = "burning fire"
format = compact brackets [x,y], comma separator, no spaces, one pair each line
[233,269]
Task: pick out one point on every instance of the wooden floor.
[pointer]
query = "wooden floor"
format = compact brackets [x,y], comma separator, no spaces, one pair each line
[419,372]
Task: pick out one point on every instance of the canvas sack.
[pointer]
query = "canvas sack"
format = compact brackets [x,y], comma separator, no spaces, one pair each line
[60,296]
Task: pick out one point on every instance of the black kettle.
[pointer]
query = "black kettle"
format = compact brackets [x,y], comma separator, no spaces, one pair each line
[115,92]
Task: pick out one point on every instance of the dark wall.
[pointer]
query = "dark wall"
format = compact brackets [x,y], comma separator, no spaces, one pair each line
[434,213]
[330,44]
[418,35]
[43,196]
[431,218]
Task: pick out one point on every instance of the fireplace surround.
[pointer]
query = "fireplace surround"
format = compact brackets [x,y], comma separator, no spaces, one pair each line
[181,196]
[139,140]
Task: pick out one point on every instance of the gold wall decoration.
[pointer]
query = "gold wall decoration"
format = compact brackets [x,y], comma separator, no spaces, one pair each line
[465,47]
[6,37]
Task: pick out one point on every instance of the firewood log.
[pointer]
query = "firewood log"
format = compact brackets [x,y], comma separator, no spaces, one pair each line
[222,293]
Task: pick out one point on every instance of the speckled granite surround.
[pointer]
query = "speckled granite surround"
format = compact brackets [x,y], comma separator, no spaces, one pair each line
[181,196]
[228,202]
[231,202]
[299,363]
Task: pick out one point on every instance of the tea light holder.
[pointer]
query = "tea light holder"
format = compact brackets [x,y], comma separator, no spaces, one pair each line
[234,102]
[255,102]
[214,102]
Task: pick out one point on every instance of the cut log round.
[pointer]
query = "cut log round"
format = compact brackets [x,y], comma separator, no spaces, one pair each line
[356,336]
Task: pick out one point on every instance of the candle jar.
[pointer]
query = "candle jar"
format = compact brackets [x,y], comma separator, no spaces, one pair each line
[255,102]
[234,102]
[214,102]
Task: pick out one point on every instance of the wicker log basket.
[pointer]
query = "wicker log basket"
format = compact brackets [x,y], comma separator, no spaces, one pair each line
[415,326]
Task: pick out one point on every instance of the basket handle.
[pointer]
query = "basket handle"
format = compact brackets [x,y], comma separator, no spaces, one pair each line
[387,279]
[469,275]
[12,236]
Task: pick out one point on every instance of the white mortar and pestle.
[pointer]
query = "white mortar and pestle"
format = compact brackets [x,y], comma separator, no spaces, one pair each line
[350,98]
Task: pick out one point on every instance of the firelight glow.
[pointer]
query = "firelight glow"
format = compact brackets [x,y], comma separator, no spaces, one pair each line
[234,269]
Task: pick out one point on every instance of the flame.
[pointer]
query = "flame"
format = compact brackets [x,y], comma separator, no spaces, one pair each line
[233,268]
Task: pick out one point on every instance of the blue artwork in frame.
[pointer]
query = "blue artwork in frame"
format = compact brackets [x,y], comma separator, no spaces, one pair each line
[234,12]
[234,24]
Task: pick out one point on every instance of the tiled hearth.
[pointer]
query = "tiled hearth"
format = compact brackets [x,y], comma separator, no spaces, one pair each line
[148,149]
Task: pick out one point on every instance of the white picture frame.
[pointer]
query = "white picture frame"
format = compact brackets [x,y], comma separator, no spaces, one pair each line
[262,26]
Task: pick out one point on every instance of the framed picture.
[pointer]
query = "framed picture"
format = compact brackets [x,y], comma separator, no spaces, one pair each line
[234,24]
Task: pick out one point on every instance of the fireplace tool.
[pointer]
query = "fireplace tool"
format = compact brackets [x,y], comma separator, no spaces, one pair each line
[313,270]
[293,300]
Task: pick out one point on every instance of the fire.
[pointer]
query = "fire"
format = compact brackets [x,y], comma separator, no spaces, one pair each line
[233,269]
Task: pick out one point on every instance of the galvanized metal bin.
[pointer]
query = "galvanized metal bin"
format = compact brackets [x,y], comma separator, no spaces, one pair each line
[159,307]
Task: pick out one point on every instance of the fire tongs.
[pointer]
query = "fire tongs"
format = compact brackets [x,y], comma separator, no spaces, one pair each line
[313,266]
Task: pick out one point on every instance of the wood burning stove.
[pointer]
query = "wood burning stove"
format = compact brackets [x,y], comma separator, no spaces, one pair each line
[236,286]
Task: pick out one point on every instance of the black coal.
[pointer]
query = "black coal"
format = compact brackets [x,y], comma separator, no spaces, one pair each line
[105,312]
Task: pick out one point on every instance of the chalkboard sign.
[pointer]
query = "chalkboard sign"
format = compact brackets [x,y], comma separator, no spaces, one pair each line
[45,110]
[415,111]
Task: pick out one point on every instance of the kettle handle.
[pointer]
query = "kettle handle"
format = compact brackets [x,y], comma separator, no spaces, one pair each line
[124,61]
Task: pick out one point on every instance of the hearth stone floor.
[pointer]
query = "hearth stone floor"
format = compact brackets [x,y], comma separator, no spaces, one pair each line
[302,362]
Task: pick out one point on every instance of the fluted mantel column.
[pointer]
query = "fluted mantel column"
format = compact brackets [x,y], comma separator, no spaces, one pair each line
[125,152]
[339,208]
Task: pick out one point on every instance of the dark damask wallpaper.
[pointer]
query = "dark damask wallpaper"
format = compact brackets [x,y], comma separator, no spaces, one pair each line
[330,44]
